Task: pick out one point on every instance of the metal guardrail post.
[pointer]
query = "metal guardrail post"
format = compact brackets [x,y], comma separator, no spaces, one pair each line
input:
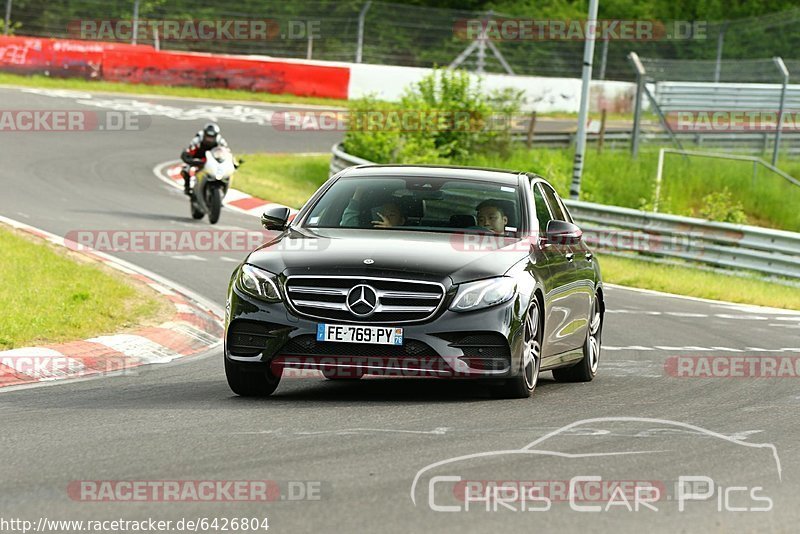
[778,130]
[637,107]
[360,46]
[659,175]
[7,26]
[604,59]
[720,44]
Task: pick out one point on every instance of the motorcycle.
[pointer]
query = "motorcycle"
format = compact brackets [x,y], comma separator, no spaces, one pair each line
[210,183]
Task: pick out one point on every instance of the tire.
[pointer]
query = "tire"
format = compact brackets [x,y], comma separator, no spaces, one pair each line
[334,373]
[214,205]
[586,369]
[522,385]
[250,383]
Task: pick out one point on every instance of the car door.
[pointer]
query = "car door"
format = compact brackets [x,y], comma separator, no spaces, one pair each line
[585,275]
[559,273]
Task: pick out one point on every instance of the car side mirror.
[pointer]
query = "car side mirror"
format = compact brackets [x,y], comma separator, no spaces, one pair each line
[562,233]
[275,218]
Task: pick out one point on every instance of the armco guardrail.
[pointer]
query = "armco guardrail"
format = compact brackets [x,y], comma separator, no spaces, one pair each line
[750,142]
[656,235]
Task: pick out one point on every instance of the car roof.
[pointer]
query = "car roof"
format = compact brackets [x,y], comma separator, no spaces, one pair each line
[436,171]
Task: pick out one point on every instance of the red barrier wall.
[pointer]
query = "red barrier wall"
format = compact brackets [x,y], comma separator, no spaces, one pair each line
[142,64]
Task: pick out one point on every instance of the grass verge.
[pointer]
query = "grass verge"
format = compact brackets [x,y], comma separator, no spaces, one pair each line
[283,178]
[696,283]
[76,84]
[48,295]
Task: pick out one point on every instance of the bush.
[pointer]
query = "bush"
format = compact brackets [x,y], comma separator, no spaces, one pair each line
[453,120]
[720,206]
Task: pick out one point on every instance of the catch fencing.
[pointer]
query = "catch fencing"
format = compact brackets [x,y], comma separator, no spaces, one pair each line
[411,35]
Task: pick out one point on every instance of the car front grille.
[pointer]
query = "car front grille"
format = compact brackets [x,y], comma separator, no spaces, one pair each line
[396,300]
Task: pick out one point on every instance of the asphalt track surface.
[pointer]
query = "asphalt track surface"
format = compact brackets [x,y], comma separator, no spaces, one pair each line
[363,443]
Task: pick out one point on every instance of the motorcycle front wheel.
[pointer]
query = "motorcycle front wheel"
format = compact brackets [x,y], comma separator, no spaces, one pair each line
[214,205]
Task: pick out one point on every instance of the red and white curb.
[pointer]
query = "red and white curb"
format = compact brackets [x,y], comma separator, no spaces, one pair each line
[170,172]
[195,328]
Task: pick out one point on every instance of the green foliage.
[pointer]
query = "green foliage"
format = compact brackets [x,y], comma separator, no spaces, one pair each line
[721,206]
[445,118]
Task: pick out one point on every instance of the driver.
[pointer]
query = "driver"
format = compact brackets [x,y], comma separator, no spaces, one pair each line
[388,214]
[492,216]
[194,155]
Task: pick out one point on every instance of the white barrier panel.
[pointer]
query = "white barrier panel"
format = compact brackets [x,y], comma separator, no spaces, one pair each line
[541,94]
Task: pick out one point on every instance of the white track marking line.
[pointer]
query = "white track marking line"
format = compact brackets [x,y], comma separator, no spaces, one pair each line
[189,257]
[693,348]
[741,317]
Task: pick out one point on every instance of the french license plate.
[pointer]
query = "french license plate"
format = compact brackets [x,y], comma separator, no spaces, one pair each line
[344,333]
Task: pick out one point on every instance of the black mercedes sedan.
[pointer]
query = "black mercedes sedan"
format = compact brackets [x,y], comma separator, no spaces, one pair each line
[431,271]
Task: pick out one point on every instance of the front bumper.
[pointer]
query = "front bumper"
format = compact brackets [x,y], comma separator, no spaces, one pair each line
[476,344]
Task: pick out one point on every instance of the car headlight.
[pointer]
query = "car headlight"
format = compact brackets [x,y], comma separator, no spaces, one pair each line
[259,283]
[484,293]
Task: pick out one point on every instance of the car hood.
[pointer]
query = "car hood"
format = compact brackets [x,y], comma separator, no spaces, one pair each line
[425,255]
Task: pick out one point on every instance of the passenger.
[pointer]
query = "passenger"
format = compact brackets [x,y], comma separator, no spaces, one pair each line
[492,216]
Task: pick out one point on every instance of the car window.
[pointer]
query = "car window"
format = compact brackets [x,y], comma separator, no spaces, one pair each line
[418,203]
[542,211]
[554,203]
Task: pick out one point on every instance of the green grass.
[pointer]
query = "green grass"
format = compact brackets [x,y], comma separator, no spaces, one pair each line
[75,84]
[47,297]
[614,178]
[283,178]
[692,282]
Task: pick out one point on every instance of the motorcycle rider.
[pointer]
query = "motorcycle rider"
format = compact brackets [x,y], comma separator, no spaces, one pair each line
[194,155]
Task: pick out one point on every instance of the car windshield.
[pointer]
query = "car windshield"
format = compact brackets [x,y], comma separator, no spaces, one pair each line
[420,204]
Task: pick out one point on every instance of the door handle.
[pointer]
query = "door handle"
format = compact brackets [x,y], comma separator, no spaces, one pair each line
[589,256]
[570,256]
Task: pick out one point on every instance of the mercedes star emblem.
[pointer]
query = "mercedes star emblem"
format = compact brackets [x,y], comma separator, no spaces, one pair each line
[362,300]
